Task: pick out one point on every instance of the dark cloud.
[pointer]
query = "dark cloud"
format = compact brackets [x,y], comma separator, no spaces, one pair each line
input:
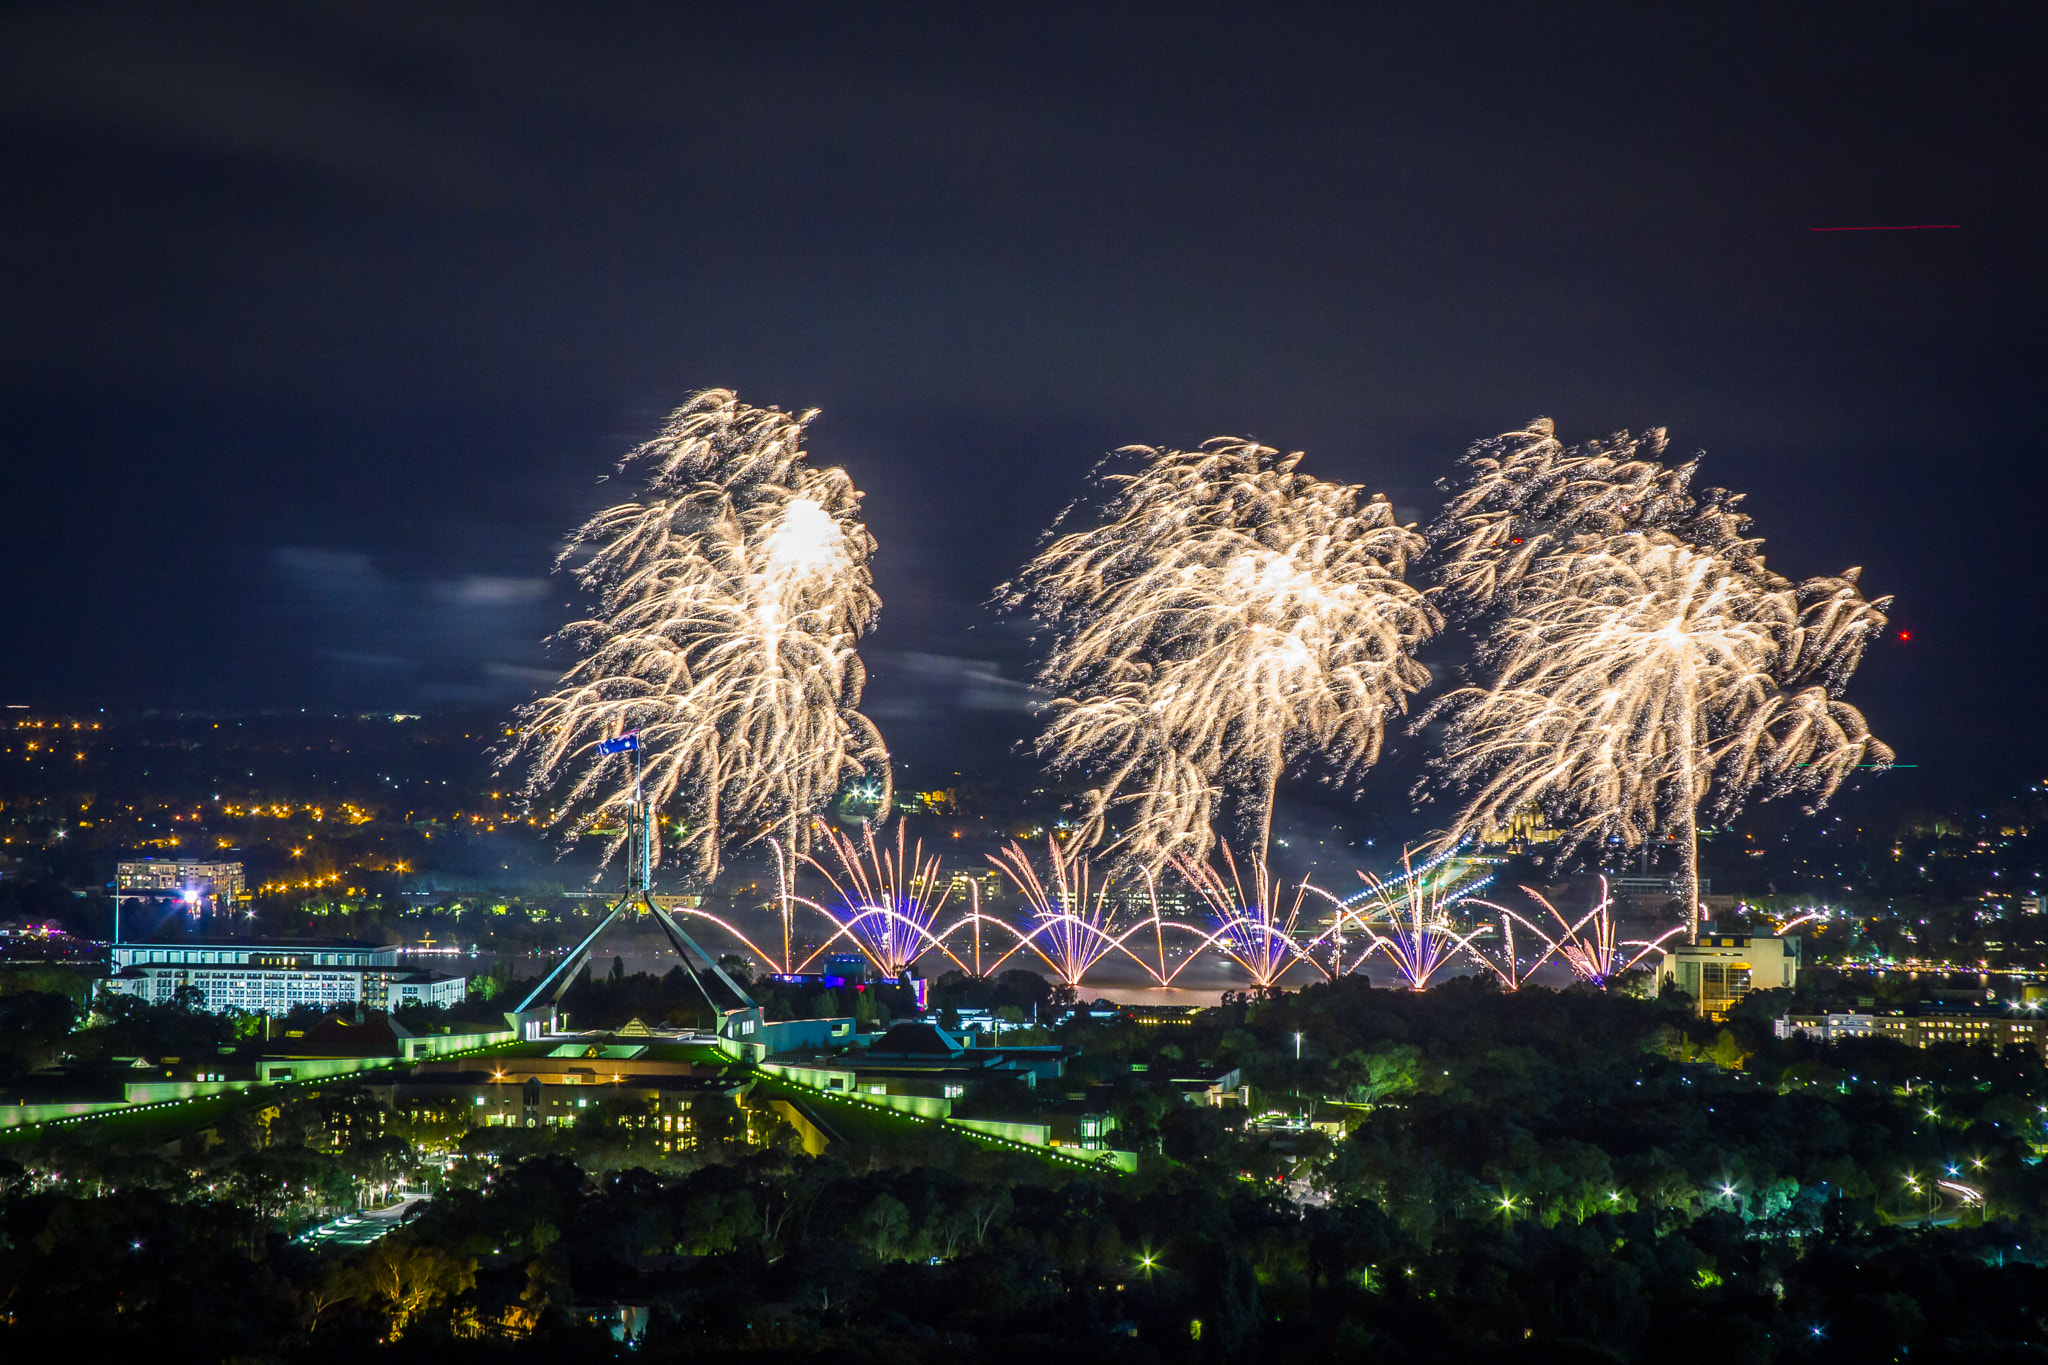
[921,685]
[402,280]
[470,640]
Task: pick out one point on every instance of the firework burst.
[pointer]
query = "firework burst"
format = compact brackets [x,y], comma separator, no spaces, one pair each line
[729,597]
[884,900]
[1637,678]
[1525,495]
[1252,928]
[1228,614]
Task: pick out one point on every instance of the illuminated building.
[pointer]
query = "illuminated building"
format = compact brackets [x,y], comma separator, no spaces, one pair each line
[276,977]
[683,1095]
[208,886]
[337,1046]
[1133,900]
[1720,969]
[1525,829]
[1994,1027]
[918,1062]
[1179,1015]
[966,882]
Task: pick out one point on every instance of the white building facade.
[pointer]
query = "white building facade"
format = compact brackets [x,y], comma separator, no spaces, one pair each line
[1720,969]
[275,978]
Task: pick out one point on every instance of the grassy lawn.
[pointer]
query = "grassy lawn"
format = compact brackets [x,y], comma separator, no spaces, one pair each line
[861,1122]
[850,1118]
[171,1119]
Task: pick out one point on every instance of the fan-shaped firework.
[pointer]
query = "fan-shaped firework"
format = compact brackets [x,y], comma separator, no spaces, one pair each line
[1636,677]
[1251,927]
[730,595]
[1228,613]
[885,899]
[1409,920]
[1587,945]
[1073,916]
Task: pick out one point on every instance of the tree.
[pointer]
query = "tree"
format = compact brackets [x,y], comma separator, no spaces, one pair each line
[406,1281]
[33,1028]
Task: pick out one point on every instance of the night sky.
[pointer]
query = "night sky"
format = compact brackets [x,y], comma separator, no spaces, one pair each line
[322,322]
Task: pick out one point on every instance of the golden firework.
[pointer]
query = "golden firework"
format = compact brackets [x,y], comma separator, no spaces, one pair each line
[730,596]
[1229,613]
[1637,679]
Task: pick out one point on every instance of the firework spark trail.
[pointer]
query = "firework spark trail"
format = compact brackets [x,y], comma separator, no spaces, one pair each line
[1251,928]
[1637,678]
[785,899]
[1409,921]
[1074,921]
[730,596]
[1229,614]
[887,899]
[1810,917]
[1589,945]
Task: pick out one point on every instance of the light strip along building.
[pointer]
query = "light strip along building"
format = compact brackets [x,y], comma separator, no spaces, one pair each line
[277,977]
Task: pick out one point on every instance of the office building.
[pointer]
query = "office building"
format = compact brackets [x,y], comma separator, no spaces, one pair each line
[1720,969]
[168,875]
[276,977]
[1994,1026]
[199,886]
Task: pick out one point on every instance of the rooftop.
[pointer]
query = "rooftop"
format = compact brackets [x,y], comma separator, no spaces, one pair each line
[260,945]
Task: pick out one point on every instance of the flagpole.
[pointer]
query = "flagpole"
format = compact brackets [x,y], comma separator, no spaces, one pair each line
[646,827]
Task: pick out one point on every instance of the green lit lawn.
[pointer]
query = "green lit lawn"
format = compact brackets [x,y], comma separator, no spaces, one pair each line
[173,1119]
[858,1122]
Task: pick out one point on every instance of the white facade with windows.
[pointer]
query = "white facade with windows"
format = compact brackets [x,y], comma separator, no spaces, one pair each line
[176,876]
[275,978]
[1720,969]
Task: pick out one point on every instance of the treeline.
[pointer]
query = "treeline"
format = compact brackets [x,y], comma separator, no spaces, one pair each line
[1454,1175]
[945,1252]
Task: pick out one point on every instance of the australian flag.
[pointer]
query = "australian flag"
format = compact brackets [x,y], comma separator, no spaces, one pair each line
[624,744]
